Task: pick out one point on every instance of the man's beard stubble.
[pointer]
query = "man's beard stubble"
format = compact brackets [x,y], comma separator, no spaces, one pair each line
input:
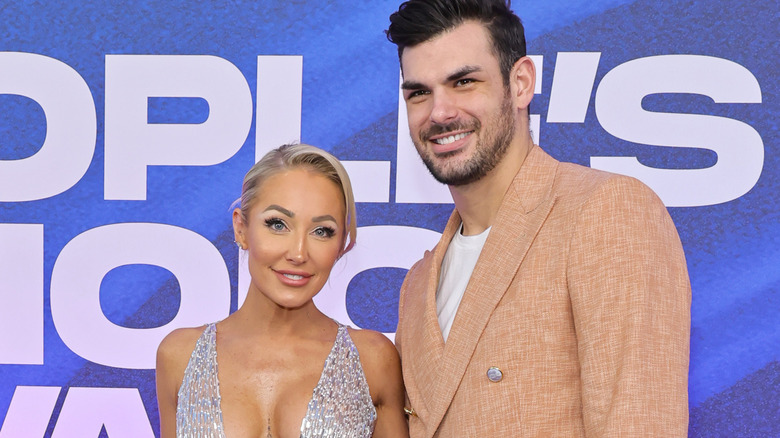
[489,151]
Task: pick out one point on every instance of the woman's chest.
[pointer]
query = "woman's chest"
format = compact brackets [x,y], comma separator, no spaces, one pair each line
[266,398]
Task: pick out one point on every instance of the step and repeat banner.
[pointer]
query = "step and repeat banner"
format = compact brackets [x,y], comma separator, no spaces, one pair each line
[126,129]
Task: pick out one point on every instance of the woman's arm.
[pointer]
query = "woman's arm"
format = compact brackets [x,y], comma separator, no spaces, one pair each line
[172,357]
[382,368]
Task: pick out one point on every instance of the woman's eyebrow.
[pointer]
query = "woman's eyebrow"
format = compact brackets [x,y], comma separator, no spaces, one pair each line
[323,218]
[280,209]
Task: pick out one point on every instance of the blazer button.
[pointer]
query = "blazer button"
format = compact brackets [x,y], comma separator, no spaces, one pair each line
[494,374]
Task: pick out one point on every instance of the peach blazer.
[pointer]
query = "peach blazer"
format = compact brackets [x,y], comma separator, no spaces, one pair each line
[580,298]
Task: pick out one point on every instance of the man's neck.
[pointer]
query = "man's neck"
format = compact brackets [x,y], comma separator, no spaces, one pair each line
[478,202]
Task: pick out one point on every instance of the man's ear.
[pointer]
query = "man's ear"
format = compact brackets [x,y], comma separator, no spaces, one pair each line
[522,82]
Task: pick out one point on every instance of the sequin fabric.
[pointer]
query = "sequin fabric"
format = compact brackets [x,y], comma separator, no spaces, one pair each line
[198,412]
[340,407]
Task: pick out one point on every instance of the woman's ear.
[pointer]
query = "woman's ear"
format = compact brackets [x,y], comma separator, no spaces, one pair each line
[239,229]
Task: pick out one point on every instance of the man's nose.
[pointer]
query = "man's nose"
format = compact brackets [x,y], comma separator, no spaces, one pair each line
[444,108]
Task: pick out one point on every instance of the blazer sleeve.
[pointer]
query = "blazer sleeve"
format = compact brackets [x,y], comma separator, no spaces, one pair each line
[630,297]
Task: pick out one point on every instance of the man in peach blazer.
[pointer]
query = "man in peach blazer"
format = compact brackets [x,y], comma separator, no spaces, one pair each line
[557,302]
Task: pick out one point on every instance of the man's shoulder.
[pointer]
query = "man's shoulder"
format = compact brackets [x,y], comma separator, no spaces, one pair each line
[422,264]
[425,261]
[568,181]
[577,174]
[576,182]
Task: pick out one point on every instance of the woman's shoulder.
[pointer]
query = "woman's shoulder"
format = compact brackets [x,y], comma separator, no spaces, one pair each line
[381,366]
[173,355]
[177,345]
[374,347]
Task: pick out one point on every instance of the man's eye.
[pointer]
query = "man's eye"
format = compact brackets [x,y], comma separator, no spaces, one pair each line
[462,82]
[416,93]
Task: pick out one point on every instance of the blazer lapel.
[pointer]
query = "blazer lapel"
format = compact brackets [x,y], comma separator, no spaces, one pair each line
[424,356]
[525,207]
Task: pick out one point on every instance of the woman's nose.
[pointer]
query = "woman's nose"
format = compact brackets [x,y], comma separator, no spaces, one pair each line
[297,251]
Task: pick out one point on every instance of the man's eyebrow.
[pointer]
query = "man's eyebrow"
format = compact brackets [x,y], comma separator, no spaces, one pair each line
[463,71]
[280,209]
[457,74]
[411,85]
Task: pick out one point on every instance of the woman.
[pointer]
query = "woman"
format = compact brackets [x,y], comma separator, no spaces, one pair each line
[296,219]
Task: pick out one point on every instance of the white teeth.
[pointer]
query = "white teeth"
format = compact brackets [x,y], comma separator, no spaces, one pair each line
[293,277]
[451,138]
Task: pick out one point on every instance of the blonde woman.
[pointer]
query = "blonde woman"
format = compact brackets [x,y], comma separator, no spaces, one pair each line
[278,367]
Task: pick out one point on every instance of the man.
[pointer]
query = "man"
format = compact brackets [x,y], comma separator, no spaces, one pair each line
[557,302]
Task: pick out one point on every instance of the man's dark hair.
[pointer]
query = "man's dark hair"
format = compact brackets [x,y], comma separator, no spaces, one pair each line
[417,21]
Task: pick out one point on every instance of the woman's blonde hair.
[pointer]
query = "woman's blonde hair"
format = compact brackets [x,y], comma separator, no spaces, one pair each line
[292,156]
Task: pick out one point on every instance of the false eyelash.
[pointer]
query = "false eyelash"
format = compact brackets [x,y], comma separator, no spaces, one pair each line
[329,231]
[271,221]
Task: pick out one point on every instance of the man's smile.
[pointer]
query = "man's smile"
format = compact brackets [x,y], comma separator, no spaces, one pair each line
[451,138]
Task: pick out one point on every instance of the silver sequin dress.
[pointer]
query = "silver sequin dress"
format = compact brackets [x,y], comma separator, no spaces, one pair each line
[340,407]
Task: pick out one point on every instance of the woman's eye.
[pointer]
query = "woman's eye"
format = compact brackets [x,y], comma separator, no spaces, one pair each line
[275,224]
[324,232]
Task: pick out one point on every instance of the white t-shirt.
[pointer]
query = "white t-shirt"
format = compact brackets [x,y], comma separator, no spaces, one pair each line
[456,269]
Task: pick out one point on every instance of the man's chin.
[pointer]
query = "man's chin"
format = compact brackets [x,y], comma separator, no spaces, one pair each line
[451,177]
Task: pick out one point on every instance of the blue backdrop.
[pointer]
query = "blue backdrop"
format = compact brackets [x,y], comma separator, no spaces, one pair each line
[62,380]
